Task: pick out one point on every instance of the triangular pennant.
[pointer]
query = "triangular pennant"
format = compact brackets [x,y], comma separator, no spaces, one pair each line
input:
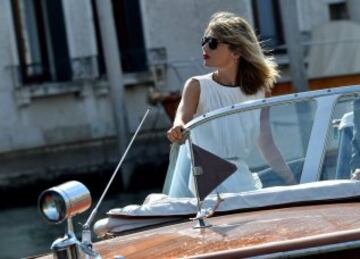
[214,170]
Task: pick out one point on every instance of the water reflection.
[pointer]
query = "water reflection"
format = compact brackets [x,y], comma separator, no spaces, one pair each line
[25,233]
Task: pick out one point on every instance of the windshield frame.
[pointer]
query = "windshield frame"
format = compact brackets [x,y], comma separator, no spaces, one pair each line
[266,102]
[325,101]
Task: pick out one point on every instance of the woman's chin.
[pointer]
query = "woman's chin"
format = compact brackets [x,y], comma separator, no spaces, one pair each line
[206,63]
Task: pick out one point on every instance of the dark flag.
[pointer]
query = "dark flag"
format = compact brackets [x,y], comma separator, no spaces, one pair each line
[214,170]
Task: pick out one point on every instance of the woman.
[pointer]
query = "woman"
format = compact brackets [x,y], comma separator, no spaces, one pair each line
[242,72]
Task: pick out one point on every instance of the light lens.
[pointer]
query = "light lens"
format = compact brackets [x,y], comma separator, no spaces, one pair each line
[53,207]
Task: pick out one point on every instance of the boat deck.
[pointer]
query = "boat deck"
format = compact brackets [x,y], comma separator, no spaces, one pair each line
[244,234]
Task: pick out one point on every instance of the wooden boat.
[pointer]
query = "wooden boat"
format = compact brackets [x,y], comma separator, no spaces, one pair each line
[262,216]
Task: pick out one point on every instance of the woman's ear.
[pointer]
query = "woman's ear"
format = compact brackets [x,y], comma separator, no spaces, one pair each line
[236,54]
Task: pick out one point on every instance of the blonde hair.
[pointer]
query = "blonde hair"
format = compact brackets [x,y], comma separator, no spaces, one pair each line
[255,70]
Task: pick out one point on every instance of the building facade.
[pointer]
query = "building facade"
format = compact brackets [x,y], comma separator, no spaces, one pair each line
[56,110]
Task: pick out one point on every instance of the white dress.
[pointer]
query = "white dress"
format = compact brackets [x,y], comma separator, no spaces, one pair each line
[218,136]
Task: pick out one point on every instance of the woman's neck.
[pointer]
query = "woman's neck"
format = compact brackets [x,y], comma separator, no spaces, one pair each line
[226,76]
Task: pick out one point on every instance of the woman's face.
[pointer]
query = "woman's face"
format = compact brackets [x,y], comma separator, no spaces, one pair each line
[216,53]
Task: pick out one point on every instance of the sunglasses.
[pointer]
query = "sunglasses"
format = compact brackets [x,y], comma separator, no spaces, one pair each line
[211,41]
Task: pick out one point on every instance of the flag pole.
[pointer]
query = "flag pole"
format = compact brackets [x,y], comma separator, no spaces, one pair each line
[196,171]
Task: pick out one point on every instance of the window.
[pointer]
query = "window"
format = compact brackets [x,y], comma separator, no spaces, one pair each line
[130,35]
[338,11]
[100,56]
[268,23]
[41,40]
[128,25]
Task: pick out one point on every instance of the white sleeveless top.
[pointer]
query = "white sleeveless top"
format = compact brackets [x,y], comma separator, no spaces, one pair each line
[231,137]
[214,95]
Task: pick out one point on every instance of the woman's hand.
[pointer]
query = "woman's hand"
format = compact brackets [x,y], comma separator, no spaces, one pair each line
[185,111]
[175,134]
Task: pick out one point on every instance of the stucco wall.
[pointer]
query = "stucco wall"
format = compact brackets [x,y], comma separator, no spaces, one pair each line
[31,120]
[62,113]
[178,27]
[57,115]
[35,116]
[9,117]
[81,38]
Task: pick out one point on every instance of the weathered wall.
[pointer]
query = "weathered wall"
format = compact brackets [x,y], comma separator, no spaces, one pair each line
[10,118]
[73,122]
[50,128]
[354,10]
[178,27]
[81,38]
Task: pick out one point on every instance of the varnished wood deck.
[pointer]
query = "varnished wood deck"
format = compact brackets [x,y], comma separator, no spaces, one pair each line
[243,234]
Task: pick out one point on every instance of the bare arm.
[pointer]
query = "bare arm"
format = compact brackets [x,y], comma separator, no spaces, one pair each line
[186,109]
[269,150]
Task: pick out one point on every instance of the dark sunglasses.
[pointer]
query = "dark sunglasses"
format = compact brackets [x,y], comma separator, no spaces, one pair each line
[211,41]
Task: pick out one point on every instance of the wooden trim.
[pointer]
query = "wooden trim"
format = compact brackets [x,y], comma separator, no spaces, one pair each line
[287,245]
[318,83]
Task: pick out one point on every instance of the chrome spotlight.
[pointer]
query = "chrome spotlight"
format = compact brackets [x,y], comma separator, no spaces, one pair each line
[64,201]
[61,203]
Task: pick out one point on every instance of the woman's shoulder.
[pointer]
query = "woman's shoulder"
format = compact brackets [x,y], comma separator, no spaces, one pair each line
[192,87]
[199,81]
[202,77]
[192,82]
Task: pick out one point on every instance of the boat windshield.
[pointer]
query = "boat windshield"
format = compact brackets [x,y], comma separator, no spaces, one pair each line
[342,149]
[266,145]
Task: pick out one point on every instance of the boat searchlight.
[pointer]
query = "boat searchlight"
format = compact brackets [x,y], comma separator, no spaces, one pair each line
[64,201]
[61,203]
[69,199]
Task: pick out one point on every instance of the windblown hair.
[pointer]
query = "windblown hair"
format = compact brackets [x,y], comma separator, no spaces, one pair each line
[255,70]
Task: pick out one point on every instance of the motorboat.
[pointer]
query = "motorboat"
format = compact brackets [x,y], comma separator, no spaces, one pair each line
[268,178]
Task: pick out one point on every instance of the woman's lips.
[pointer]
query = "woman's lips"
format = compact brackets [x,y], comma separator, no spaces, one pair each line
[206,56]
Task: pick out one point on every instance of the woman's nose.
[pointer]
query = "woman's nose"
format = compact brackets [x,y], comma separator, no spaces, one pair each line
[205,47]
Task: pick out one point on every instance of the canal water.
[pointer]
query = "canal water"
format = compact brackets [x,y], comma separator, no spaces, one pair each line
[24,233]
